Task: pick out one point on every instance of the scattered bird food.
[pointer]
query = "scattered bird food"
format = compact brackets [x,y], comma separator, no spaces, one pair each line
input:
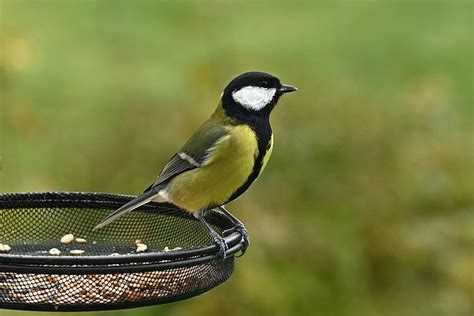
[91,289]
[54,252]
[141,247]
[5,248]
[67,239]
[76,252]
[167,249]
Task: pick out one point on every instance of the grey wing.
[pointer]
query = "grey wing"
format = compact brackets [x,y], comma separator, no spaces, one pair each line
[192,155]
[174,167]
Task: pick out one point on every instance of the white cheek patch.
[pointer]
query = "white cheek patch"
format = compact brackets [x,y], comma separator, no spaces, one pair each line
[254,98]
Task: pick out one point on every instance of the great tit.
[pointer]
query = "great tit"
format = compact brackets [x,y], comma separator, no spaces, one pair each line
[223,157]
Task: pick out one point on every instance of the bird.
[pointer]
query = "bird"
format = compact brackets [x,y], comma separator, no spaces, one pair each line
[222,158]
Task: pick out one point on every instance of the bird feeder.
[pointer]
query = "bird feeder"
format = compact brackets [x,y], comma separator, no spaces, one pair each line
[52,260]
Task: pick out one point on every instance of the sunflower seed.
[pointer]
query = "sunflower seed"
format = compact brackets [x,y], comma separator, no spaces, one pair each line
[76,252]
[54,252]
[5,248]
[66,239]
[141,247]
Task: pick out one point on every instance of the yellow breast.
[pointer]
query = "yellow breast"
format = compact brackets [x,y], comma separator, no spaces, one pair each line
[227,168]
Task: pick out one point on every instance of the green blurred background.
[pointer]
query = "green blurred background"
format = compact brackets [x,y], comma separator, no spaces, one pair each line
[366,207]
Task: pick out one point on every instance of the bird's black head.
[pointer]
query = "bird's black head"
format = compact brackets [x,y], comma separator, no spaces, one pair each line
[253,93]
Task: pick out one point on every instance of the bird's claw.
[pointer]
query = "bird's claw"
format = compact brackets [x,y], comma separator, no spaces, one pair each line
[221,247]
[245,238]
[240,228]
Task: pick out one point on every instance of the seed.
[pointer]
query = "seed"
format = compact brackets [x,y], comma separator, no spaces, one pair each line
[5,248]
[166,249]
[80,240]
[54,252]
[138,241]
[177,248]
[76,252]
[141,247]
[114,254]
[66,239]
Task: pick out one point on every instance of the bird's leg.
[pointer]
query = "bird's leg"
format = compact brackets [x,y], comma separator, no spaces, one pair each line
[239,227]
[218,239]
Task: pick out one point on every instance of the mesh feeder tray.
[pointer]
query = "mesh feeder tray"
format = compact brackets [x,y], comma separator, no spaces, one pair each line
[105,270]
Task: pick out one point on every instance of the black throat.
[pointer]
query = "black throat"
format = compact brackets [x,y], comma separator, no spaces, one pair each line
[259,122]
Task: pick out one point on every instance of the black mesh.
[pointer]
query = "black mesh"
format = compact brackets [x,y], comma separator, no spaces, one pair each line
[180,261]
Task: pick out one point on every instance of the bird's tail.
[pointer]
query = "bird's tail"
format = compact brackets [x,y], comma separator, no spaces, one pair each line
[128,207]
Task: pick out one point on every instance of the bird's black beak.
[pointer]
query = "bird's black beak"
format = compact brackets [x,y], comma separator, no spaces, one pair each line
[286,88]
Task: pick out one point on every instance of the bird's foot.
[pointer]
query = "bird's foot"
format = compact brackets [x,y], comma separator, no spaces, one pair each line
[240,228]
[221,246]
[216,237]
[245,237]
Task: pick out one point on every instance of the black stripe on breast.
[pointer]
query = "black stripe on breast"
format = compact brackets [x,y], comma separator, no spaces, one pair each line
[261,127]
